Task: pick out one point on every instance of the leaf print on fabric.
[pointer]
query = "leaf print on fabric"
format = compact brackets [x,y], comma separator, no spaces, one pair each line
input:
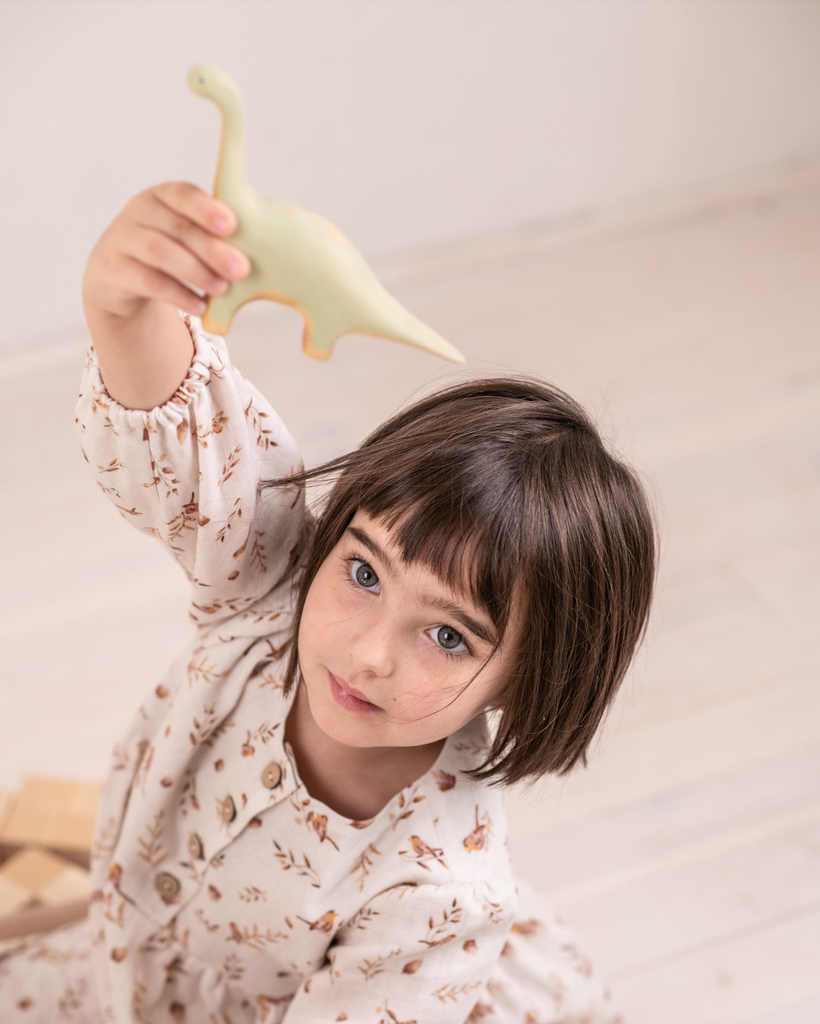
[495,912]
[186,520]
[412,967]
[452,993]
[232,968]
[205,728]
[108,490]
[216,426]
[437,932]
[209,926]
[390,1017]
[362,918]
[304,869]
[250,894]
[479,838]
[259,559]
[200,669]
[444,780]
[233,515]
[255,416]
[146,759]
[363,864]
[72,999]
[99,404]
[264,734]
[230,464]
[163,476]
[253,937]
[405,805]
[105,838]
[113,466]
[188,794]
[150,846]
[420,853]
[371,968]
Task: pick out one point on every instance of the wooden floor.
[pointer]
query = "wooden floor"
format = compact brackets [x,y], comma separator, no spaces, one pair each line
[688,854]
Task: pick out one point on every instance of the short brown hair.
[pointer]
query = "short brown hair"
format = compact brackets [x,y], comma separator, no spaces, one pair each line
[505,483]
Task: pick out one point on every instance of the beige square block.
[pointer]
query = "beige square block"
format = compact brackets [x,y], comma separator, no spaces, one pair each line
[13,897]
[7,802]
[54,813]
[34,876]
[72,884]
[31,869]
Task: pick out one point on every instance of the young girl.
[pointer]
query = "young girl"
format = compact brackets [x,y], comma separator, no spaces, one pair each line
[302,824]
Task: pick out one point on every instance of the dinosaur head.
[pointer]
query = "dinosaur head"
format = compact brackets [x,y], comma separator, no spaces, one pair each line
[213,83]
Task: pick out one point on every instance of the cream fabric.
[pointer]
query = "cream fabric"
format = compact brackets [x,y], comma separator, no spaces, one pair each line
[219,899]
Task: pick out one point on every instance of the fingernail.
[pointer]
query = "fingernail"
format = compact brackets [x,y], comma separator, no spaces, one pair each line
[237,265]
[222,224]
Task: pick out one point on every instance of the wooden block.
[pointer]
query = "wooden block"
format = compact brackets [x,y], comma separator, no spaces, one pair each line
[7,802]
[31,869]
[57,814]
[72,884]
[13,897]
[35,877]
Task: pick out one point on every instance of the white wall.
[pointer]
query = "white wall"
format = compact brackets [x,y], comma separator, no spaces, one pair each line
[406,122]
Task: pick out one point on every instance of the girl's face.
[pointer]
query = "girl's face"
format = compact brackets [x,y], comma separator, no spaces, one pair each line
[390,656]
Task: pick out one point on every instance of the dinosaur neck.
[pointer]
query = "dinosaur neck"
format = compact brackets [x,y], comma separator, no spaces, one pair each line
[231,176]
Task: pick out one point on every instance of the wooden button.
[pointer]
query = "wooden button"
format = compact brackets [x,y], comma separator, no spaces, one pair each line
[167,885]
[227,809]
[195,846]
[272,775]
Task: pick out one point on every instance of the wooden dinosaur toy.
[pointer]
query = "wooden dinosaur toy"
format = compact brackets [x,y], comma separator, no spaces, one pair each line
[298,257]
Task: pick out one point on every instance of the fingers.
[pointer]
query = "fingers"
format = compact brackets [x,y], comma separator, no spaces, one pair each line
[168,243]
[210,213]
[187,217]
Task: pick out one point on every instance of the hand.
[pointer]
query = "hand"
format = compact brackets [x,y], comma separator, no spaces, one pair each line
[165,240]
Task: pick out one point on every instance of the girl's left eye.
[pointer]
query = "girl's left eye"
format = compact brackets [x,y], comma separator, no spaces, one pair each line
[449,639]
[364,575]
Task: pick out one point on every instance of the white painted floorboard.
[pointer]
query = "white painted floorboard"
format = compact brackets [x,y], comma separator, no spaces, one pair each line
[688,853]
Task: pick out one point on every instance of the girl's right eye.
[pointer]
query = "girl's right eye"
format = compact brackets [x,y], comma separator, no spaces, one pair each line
[364,575]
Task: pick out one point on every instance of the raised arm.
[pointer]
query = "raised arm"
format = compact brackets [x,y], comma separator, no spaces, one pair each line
[176,438]
[141,272]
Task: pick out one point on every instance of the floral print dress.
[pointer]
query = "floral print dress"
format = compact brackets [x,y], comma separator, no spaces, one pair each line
[223,893]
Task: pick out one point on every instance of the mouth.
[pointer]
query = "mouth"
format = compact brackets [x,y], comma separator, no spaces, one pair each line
[349,698]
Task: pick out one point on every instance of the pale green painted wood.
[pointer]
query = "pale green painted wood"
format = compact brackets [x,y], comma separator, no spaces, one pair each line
[297,257]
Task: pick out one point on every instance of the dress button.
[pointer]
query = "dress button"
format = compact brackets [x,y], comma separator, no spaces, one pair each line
[167,885]
[195,846]
[227,809]
[272,775]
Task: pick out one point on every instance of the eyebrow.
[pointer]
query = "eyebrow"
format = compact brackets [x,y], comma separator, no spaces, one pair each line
[453,611]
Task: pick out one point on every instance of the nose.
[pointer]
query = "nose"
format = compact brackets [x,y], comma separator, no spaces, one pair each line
[373,644]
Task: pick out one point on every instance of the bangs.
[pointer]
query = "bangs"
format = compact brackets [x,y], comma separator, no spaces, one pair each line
[452,539]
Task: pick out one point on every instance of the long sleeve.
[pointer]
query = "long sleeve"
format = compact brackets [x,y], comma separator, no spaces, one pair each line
[419,953]
[189,472]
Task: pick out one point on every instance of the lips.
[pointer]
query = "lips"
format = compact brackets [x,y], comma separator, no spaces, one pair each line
[350,698]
